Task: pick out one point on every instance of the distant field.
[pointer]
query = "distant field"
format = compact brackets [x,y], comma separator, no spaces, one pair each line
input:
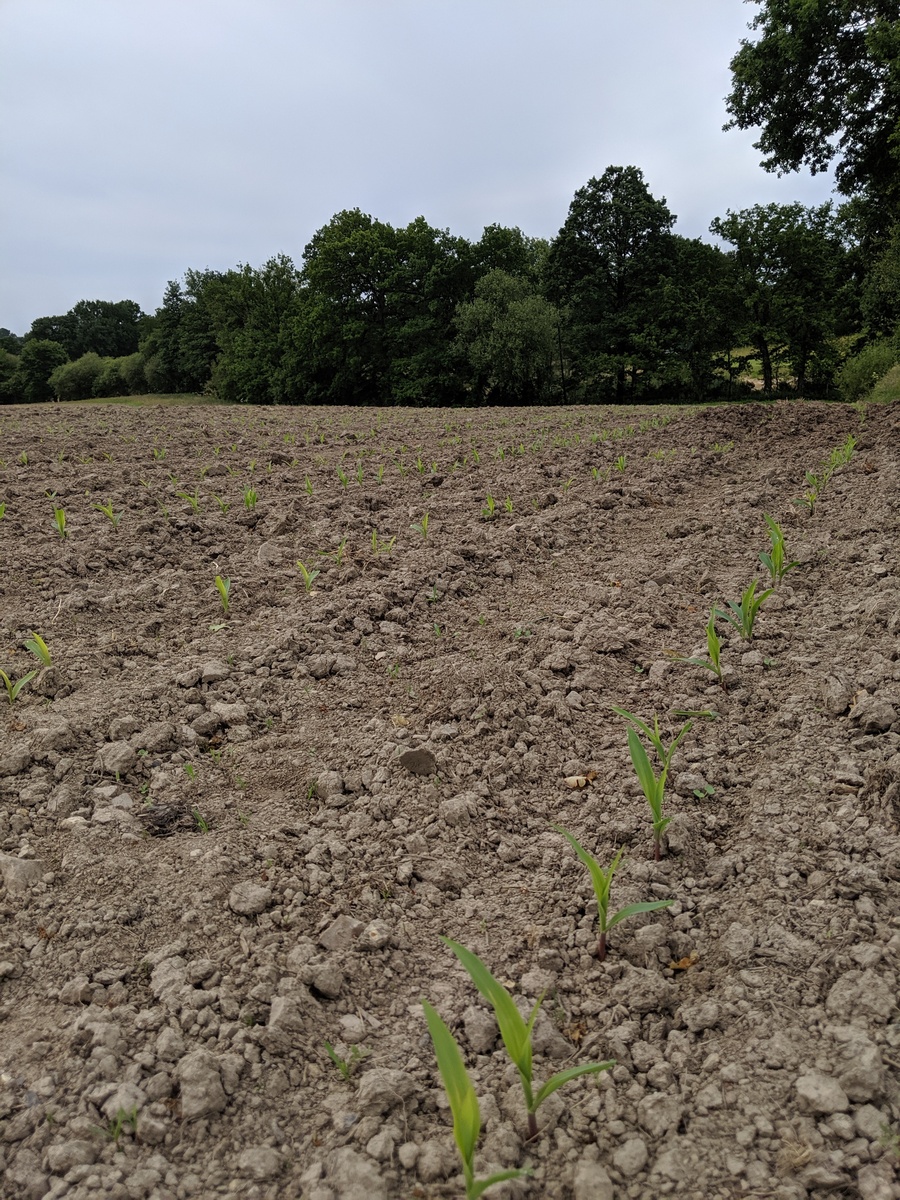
[140,401]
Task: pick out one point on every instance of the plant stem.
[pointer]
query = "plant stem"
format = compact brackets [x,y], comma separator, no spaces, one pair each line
[532,1127]
[601,947]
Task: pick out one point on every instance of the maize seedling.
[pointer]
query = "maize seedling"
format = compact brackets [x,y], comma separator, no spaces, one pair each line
[743,615]
[652,785]
[713,649]
[308,575]
[59,517]
[250,498]
[490,507]
[516,1034]
[223,587]
[463,1104]
[107,510]
[774,559]
[602,881]
[14,687]
[39,649]
[421,526]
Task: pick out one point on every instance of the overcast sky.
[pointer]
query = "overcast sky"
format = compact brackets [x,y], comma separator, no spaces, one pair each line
[139,138]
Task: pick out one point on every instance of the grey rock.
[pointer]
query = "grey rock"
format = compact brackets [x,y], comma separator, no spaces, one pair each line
[686,782]
[873,714]
[75,1153]
[292,1013]
[126,1098]
[445,873]
[249,899]
[58,736]
[189,678]
[869,1122]
[591,1181]
[381,1146]
[231,714]
[329,783]
[202,1094]
[642,991]
[876,1182]
[698,1017]
[458,811]
[408,1154]
[76,991]
[418,762]
[320,666]
[19,874]
[341,933]
[354,1177]
[214,671]
[375,936]
[659,1114]
[838,690]
[631,1157]
[15,762]
[383,1088]
[115,758]
[206,724]
[820,1093]
[861,993]
[738,942]
[434,1162]
[481,1029]
[158,736]
[260,1162]
[327,978]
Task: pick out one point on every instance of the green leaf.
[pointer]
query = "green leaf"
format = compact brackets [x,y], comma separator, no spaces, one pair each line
[515,1033]
[563,1077]
[458,1086]
[480,1186]
[602,880]
[642,767]
[631,910]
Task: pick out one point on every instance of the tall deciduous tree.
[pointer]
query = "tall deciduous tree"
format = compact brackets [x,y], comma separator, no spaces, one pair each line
[605,265]
[108,328]
[822,81]
[789,264]
[377,319]
[508,333]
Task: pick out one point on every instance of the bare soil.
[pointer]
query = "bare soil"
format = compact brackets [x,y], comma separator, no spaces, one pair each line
[218,852]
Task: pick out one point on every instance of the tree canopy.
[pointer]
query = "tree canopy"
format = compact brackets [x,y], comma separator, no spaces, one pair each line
[822,81]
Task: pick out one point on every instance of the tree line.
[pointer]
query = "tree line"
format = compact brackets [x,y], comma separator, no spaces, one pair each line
[617,307]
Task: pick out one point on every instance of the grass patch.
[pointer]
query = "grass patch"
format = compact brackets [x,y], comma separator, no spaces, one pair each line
[887,388]
[165,401]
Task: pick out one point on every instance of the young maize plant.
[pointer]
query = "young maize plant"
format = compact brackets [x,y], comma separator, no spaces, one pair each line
[652,785]
[223,587]
[192,498]
[250,498]
[59,518]
[39,648]
[463,1105]
[516,1034]
[774,559]
[107,510]
[14,687]
[421,526]
[602,881]
[713,649]
[490,507]
[308,575]
[743,615]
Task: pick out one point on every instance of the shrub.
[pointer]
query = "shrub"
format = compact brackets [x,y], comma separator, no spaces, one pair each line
[860,373]
[76,380]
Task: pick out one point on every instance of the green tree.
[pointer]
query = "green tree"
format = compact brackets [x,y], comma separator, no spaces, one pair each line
[606,266]
[108,328]
[180,351]
[37,362]
[377,320]
[75,380]
[822,80]
[698,318]
[508,333]
[790,264]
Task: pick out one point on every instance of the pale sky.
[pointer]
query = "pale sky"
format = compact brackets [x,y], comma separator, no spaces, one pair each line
[140,138]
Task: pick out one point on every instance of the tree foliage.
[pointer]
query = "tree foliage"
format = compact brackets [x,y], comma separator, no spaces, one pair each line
[822,81]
